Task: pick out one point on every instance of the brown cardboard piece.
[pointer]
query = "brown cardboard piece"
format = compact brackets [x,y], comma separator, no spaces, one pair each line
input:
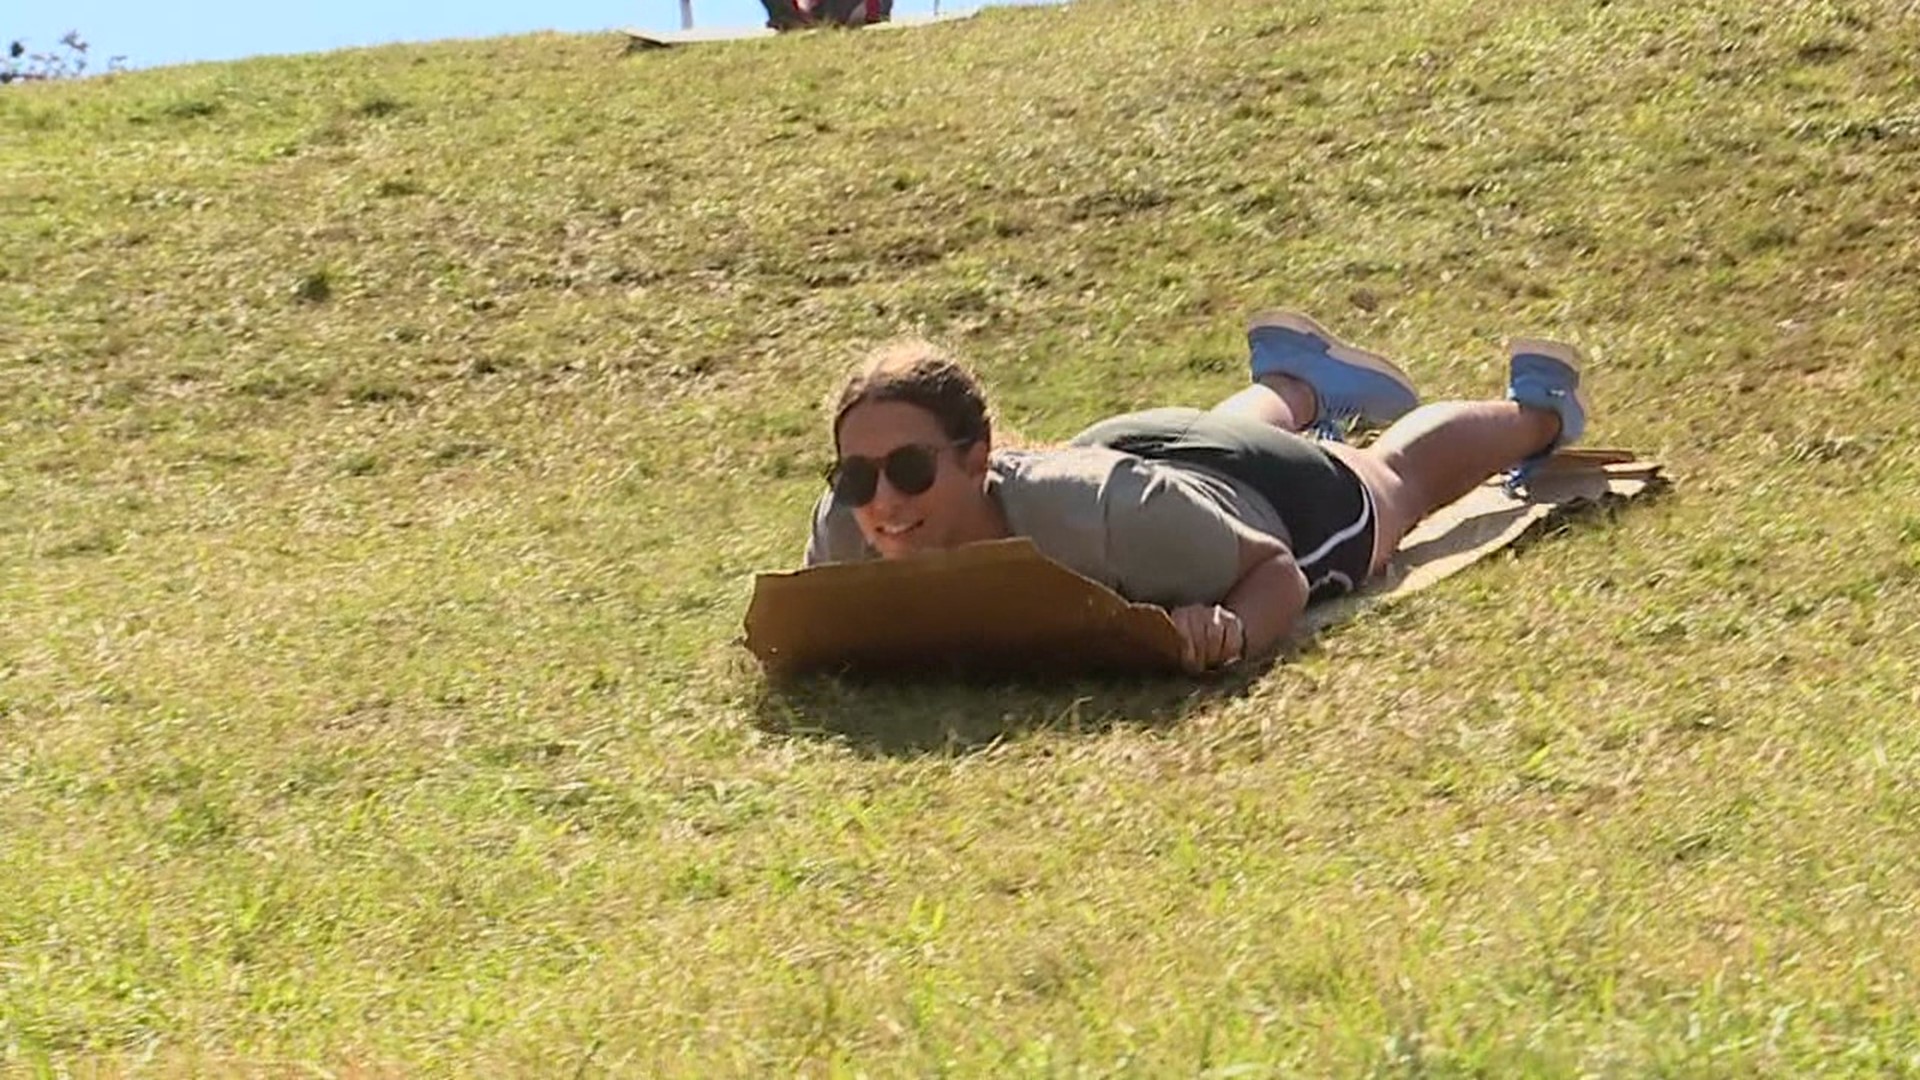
[1002,606]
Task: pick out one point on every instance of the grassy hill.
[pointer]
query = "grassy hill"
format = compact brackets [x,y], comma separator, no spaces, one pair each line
[388,440]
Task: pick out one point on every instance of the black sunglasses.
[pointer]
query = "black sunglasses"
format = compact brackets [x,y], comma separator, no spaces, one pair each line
[910,469]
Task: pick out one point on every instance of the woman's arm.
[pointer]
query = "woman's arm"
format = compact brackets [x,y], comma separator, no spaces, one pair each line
[1257,614]
[1269,599]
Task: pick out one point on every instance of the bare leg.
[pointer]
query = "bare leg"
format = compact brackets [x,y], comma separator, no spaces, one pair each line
[1444,450]
[1440,452]
[1281,400]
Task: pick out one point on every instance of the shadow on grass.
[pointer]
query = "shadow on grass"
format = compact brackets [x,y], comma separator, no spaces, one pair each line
[947,712]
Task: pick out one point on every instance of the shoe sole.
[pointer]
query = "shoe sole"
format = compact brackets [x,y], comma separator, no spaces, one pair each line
[1338,349]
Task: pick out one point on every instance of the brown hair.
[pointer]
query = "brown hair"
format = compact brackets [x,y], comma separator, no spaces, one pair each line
[918,373]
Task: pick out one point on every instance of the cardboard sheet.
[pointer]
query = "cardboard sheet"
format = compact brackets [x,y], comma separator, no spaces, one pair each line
[1488,519]
[1002,606]
[994,606]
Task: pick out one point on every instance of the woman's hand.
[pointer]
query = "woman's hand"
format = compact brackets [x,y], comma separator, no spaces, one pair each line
[1211,637]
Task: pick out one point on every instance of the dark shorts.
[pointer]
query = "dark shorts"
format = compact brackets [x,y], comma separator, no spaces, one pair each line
[1328,512]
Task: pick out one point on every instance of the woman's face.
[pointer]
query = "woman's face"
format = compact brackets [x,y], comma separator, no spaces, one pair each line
[901,447]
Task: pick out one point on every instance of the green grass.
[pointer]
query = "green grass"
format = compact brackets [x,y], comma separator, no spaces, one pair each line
[388,440]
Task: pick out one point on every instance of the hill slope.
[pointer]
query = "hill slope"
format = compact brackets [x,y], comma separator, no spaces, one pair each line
[390,438]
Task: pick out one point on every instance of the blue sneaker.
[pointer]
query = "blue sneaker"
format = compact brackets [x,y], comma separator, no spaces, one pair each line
[1546,375]
[1327,430]
[1348,382]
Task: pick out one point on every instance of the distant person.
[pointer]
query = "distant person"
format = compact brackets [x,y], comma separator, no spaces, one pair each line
[800,14]
[1229,518]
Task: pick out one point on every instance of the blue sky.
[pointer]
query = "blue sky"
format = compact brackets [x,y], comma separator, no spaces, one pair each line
[154,32]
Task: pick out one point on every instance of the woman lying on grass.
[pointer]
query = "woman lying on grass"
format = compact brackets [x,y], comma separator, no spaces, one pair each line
[1229,518]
